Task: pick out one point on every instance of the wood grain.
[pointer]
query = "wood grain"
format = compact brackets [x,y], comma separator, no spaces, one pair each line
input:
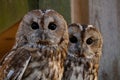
[79,11]
[7,39]
[106,15]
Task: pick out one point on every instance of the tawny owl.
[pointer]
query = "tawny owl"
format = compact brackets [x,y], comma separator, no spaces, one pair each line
[40,48]
[84,51]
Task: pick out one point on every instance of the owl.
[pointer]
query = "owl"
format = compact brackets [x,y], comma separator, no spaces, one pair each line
[84,51]
[40,48]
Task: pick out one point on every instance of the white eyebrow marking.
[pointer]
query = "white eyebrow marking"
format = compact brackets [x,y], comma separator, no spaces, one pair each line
[81,28]
[90,25]
[48,10]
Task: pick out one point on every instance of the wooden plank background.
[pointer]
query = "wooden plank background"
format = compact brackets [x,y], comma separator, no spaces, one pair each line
[106,15]
[7,39]
[79,11]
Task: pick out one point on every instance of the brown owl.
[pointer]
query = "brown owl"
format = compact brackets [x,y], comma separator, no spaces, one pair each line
[40,48]
[84,51]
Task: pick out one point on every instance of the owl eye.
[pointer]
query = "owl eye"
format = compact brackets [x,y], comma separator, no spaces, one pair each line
[73,39]
[34,25]
[52,26]
[89,41]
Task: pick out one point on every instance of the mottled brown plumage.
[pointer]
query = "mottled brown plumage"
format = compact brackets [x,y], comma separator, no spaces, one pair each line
[40,48]
[84,51]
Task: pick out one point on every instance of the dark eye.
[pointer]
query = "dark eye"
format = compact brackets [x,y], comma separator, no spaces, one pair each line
[73,39]
[34,25]
[52,26]
[89,41]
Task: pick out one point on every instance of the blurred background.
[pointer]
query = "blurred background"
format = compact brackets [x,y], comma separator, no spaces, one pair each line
[105,14]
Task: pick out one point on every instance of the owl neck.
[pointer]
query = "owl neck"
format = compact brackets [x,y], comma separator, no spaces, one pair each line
[51,59]
[82,68]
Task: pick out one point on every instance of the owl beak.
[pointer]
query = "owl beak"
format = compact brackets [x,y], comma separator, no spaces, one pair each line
[81,51]
[43,35]
[43,38]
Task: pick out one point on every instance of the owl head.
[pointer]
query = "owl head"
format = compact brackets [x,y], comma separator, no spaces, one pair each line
[42,27]
[84,41]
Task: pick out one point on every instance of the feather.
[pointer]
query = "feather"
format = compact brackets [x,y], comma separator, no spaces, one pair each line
[15,67]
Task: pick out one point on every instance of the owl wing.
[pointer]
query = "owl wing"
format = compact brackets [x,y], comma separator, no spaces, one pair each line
[14,64]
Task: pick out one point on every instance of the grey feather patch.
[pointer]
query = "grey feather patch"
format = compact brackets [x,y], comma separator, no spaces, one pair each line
[10,74]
